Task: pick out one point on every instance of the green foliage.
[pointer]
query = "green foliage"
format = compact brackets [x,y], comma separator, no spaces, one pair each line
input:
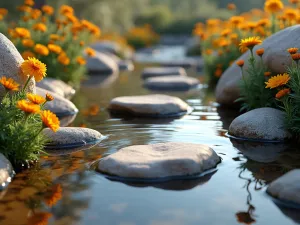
[20,138]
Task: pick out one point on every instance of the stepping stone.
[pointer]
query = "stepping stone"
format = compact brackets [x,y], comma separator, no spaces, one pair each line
[10,63]
[126,65]
[286,189]
[6,172]
[186,64]
[149,106]
[57,86]
[163,160]
[71,139]
[163,71]
[263,124]
[101,64]
[176,83]
[64,109]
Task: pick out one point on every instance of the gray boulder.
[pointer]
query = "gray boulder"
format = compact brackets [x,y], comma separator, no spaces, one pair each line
[176,83]
[10,62]
[163,71]
[101,64]
[6,172]
[265,124]
[160,160]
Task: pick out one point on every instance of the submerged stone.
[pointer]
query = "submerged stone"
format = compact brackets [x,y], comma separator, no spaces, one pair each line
[6,172]
[57,86]
[176,83]
[264,124]
[70,139]
[163,71]
[149,106]
[159,160]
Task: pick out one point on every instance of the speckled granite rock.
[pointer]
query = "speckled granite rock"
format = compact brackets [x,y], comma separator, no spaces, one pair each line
[70,139]
[10,61]
[260,124]
[101,64]
[159,160]
[6,172]
[149,106]
[287,187]
[57,86]
[163,71]
[176,83]
[64,109]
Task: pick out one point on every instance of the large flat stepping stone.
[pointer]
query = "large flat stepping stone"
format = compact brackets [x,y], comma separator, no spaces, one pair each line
[163,71]
[6,172]
[286,189]
[263,124]
[64,109]
[159,161]
[57,86]
[176,83]
[101,64]
[70,139]
[149,106]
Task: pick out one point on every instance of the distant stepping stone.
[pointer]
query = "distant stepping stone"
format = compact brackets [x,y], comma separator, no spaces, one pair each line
[126,65]
[64,109]
[57,86]
[70,139]
[163,71]
[186,64]
[176,83]
[163,160]
[149,106]
[286,189]
[6,172]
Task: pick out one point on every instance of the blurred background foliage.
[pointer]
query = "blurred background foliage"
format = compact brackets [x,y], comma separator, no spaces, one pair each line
[165,16]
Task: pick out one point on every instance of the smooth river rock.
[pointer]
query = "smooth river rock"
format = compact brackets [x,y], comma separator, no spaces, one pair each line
[71,139]
[187,64]
[57,86]
[64,109]
[102,64]
[287,188]
[159,160]
[265,124]
[276,58]
[163,71]
[10,62]
[176,83]
[126,65]
[6,172]
[149,106]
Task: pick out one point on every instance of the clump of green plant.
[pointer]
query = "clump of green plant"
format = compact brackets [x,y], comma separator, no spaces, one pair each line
[253,92]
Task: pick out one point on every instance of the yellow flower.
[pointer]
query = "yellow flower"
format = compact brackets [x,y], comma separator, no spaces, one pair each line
[40,27]
[41,49]
[260,51]
[277,81]
[47,9]
[236,20]
[27,43]
[28,54]
[22,32]
[63,59]
[249,43]
[282,93]
[3,11]
[50,120]
[54,48]
[54,37]
[292,50]
[65,9]
[80,60]
[34,68]
[28,107]
[9,84]
[49,97]
[90,52]
[291,14]
[273,6]
[36,99]
[56,195]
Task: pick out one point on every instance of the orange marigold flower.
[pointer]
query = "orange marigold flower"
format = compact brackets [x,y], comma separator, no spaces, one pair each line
[28,43]
[277,81]
[9,84]
[47,9]
[218,72]
[63,59]
[90,52]
[24,8]
[54,37]
[273,6]
[35,14]
[40,27]
[296,56]
[80,60]
[41,49]
[231,6]
[294,1]
[55,195]
[240,63]
[267,74]
[22,32]
[249,43]
[36,99]
[54,48]
[236,20]
[81,43]
[39,218]
[28,54]
[50,120]
[34,68]
[292,50]
[49,97]
[28,107]
[260,51]
[65,9]
[283,92]
[291,14]
[3,11]
[29,2]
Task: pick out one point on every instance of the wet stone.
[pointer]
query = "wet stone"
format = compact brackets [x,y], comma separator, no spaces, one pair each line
[102,64]
[6,172]
[70,139]
[64,109]
[176,83]
[186,64]
[149,106]
[163,71]
[126,65]
[159,161]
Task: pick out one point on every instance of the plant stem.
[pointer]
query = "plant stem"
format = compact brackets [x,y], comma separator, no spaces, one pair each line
[27,82]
